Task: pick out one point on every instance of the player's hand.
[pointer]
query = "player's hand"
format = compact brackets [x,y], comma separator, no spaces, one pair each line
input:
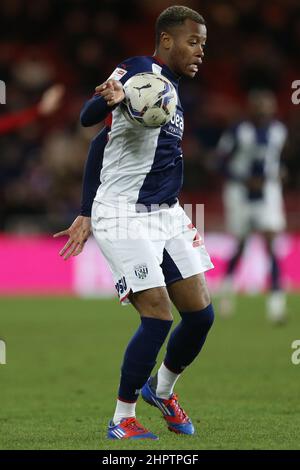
[112,91]
[51,100]
[78,233]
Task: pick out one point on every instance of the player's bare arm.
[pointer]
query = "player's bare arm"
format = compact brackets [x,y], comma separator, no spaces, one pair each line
[112,91]
[78,234]
[51,100]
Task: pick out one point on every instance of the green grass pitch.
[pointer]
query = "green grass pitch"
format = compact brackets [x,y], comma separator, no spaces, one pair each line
[58,388]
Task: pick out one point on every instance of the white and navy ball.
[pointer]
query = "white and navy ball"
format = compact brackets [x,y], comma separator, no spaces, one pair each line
[150,100]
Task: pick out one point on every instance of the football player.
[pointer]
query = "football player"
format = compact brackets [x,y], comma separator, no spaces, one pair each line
[140,179]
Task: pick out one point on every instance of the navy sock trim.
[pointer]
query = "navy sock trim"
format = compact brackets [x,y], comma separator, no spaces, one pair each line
[127,401]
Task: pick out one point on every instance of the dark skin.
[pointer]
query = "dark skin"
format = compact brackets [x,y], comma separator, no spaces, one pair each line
[182,50]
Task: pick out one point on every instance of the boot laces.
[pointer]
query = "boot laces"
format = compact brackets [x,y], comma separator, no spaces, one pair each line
[178,410]
[134,425]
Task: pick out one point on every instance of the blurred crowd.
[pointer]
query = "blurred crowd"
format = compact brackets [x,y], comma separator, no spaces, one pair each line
[251,44]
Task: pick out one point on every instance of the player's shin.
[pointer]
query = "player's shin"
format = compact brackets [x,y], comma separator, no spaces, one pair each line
[275,273]
[139,360]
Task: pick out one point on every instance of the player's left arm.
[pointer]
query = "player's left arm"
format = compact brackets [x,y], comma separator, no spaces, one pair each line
[284,157]
[225,150]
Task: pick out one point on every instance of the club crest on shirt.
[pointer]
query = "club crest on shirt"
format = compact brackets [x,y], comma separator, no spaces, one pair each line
[141,271]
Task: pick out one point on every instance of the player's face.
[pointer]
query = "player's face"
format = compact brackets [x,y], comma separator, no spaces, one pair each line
[187,48]
[262,107]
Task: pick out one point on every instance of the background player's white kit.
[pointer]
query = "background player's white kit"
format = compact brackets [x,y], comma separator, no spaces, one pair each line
[266,212]
[253,201]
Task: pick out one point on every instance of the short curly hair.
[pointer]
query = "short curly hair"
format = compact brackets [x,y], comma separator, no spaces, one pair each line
[175,16]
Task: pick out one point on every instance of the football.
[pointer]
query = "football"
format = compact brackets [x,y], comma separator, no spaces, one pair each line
[150,100]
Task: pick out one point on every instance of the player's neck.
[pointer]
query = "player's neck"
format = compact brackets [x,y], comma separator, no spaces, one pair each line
[164,60]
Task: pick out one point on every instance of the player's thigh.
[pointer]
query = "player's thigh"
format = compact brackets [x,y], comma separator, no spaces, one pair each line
[185,259]
[152,303]
[190,294]
[138,276]
[135,266]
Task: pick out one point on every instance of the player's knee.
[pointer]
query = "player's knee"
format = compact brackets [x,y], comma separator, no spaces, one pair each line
[202,319]
[157,304]
[208,316]
[201,301]
[161,306]
[206,300]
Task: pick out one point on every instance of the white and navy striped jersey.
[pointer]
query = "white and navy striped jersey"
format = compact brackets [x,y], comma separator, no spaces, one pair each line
[253,151]
[143,165]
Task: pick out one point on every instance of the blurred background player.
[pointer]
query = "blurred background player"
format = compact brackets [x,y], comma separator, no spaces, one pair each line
[49,103]
[251,159]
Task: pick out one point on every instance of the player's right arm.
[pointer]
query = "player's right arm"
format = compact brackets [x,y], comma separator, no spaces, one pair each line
[108,95]
[80,230]
[78,234]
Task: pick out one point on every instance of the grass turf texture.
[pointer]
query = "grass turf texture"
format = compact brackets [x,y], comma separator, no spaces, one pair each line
[58,388]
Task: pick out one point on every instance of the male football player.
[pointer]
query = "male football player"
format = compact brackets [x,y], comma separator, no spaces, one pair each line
[144,166]
[251,153]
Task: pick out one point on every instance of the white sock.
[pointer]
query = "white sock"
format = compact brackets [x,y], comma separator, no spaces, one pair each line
[124,410]
[166,381]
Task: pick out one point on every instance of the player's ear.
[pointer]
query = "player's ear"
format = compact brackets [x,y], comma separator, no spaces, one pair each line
[166,40]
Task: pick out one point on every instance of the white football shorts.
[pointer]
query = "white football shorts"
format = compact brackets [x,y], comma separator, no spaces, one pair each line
[151,249]
[243,216]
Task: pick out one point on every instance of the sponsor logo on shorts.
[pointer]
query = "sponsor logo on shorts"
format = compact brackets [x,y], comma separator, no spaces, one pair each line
[121,286]
[141,271]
